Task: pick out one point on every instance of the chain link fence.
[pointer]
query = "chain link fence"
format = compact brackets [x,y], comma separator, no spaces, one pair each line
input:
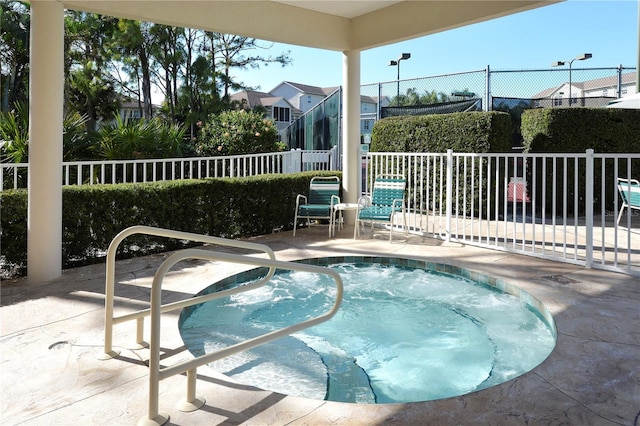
[590,87]
[511,91]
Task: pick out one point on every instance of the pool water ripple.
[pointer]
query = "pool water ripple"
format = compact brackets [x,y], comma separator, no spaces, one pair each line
[402,334]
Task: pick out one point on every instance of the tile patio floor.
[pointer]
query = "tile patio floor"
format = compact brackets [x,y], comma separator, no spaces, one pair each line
[51,335]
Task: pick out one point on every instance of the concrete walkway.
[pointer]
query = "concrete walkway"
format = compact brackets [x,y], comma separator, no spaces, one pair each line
[52,336]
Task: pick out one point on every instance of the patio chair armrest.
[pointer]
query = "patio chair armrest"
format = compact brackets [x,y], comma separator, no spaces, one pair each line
[301,197]
[335,200]
[364,201]
[397,201]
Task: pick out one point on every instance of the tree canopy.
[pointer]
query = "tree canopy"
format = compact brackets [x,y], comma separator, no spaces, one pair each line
[110,60]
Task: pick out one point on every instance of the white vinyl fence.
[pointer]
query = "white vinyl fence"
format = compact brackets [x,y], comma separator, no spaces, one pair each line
[15,175]
[558,206]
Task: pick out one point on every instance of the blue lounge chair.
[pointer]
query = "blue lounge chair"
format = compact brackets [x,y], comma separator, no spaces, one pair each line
[324,193]
[385,203]
[629,191]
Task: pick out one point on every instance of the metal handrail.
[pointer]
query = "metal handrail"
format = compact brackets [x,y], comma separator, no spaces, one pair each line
[156,374]
[110,320]
[191,402]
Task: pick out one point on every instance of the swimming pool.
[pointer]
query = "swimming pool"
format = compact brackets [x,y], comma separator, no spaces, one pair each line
[407,331]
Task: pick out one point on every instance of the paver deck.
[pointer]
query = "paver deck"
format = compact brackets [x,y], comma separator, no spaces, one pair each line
[52,334]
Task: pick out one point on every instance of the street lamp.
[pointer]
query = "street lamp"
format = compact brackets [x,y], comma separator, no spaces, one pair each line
[397,63]
[577,58]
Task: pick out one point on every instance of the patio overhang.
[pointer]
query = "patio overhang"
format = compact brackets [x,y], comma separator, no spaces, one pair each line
[346,26]
[328,24]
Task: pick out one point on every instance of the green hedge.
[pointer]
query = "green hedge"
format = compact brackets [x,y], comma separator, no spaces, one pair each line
[460,131]
[578,129]
[94,214]
[574,130]
[471,132]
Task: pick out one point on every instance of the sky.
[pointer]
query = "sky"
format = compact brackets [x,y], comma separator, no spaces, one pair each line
[608,29]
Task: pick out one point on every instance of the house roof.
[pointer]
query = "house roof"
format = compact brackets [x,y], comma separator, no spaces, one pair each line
[254,98]
[369,99]
[590,85]
[130,103]
[611,81]
[310,90]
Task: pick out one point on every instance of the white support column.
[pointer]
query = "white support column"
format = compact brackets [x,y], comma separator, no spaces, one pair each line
[351,127]
[46,91]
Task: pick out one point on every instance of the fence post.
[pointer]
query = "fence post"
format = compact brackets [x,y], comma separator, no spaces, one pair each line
[487,94]
[589,209]
[292,161]
[449,193]
[619,91]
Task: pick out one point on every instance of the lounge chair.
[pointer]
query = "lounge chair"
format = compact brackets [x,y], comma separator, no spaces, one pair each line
[324,193]
[385,203]
[629,190]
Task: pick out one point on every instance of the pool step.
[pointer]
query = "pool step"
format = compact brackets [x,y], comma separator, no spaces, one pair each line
[348,382]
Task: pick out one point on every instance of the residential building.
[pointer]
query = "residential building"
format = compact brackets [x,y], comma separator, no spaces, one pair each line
[590,93]
[275,107]
[302,96]
[133,109]
[288,101]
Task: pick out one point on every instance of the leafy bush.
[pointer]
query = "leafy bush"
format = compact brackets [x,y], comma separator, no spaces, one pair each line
[236,133]
[14,134]
[134,139]
[117,140]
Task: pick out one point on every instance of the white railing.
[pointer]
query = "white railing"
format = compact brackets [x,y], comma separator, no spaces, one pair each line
[14,175]
[533,204]
[156,373]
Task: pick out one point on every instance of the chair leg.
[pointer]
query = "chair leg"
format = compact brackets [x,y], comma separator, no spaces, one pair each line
[295,223]
[331,220]
[405,224]
[620,215]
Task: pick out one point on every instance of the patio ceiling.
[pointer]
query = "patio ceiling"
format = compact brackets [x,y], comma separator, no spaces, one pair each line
[324,24]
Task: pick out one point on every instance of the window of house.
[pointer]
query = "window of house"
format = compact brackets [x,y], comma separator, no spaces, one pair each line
[557,101]
[132,114]
[308,99]
[366,125]
[605,92]
[623,91]
[281,114]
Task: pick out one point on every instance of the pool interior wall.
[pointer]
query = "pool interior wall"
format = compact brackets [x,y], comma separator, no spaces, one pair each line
[526,299]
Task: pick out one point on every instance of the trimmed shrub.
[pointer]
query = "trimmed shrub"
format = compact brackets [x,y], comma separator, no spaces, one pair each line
[578,129]
[473,132]
[574,130]
[94,214]
[461,131]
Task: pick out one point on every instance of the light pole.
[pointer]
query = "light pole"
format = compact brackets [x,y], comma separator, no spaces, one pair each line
[397,63]
[577,58]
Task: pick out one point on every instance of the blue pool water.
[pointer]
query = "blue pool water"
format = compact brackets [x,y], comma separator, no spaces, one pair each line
[405,332]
